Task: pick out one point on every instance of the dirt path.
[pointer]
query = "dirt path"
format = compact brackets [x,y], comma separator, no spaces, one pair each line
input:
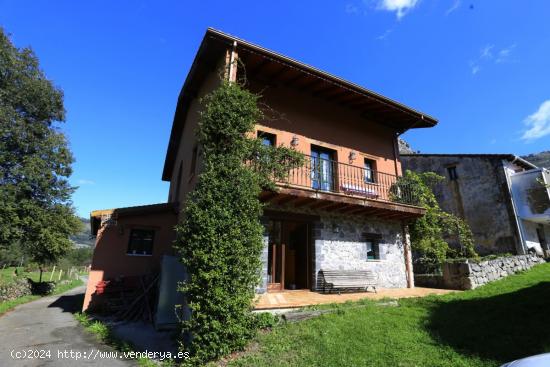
[47,328]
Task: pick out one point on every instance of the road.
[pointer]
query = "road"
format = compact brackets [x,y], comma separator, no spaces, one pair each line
[46,330]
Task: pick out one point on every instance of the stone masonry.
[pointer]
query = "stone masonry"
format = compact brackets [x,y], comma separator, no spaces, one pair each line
[479,195]
[339,243]
[470,275]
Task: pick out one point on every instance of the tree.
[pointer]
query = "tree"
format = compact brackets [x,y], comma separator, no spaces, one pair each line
[220,236]
[35,162]
[429,234]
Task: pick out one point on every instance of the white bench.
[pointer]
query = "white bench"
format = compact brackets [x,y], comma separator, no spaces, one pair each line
[348,279]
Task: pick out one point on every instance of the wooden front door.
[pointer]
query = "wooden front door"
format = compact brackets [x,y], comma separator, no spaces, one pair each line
[276,257]
[288,255]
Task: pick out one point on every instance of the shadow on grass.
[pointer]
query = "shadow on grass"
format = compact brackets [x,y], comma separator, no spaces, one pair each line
[502,328]
[69,303]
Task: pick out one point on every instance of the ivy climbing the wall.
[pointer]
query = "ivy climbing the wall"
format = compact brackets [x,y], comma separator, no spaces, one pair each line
[220,237]
[430,233]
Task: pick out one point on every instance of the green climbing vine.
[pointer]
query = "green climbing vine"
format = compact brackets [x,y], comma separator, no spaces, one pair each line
[220,235]
[430,233]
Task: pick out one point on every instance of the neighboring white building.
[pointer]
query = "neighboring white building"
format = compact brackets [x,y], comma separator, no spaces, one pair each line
[531,196]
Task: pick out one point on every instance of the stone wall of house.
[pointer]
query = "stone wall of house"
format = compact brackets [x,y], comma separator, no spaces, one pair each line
[479,195]
[470,275]
[340,245]
[262,287]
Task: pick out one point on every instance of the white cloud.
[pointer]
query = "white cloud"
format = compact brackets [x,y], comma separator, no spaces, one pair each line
[489,54]
[86,182]
[400,7]
[351,8]
[538,124]
[504,54]
[456,5]
[486,52]
[474,67]
[384,35]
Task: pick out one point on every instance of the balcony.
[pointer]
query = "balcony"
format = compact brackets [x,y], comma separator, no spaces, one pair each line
[339,187]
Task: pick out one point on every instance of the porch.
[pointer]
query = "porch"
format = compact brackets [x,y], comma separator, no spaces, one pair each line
[303,297]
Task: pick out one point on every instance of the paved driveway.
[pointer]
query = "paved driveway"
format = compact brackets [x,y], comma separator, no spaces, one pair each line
[47,329]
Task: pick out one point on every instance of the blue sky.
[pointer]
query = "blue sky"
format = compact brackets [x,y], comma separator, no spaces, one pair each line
[480,67]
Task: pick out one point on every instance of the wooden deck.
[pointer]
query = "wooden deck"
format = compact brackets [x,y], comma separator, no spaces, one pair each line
[302,298]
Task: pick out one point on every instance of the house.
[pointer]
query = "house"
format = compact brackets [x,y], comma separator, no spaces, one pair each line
[501,197]
[339,211]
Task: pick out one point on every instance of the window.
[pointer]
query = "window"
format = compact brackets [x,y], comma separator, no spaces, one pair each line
[267,138]
[322,168]
[373,252]
[369,171]
[452,173]
[193,168]
[141,242]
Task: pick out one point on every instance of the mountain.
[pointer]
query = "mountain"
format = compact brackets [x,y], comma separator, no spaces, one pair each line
[541,159]
[404,147]
[83,239]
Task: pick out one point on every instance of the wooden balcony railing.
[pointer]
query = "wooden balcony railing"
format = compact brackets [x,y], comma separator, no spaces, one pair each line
[332,176]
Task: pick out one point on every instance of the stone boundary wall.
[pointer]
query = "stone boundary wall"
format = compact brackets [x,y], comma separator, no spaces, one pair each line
[470,275]
[19,288]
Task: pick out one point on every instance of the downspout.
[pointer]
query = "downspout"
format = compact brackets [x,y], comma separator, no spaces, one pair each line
[404,226]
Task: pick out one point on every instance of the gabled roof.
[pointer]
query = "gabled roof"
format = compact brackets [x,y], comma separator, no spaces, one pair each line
[509,157]
[271,67]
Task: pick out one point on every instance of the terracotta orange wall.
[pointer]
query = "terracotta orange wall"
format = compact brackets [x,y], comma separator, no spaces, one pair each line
[188,142]
[329,125]
[313,120]
[110,259]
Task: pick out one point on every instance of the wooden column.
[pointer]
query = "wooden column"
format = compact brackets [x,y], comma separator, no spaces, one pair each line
[231,58]
[283,266]
[408,255]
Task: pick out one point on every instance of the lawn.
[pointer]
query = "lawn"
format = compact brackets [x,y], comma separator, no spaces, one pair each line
[6,276]
[491,325]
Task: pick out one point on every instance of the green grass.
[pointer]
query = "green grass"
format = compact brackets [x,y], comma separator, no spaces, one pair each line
[105,335]
[9,305]
[491,325]
[6,275]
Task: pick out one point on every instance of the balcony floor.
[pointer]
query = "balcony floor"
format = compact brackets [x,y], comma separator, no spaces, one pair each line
[304,297]
[341,203]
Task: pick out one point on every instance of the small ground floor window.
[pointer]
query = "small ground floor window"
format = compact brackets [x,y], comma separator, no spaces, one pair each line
[141,242]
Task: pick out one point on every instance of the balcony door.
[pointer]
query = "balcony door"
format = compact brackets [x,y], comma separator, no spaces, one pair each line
[322,169]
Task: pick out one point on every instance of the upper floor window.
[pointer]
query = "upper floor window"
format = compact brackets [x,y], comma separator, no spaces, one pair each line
[267,138]
[452,173]
[141,242]
[369,170]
